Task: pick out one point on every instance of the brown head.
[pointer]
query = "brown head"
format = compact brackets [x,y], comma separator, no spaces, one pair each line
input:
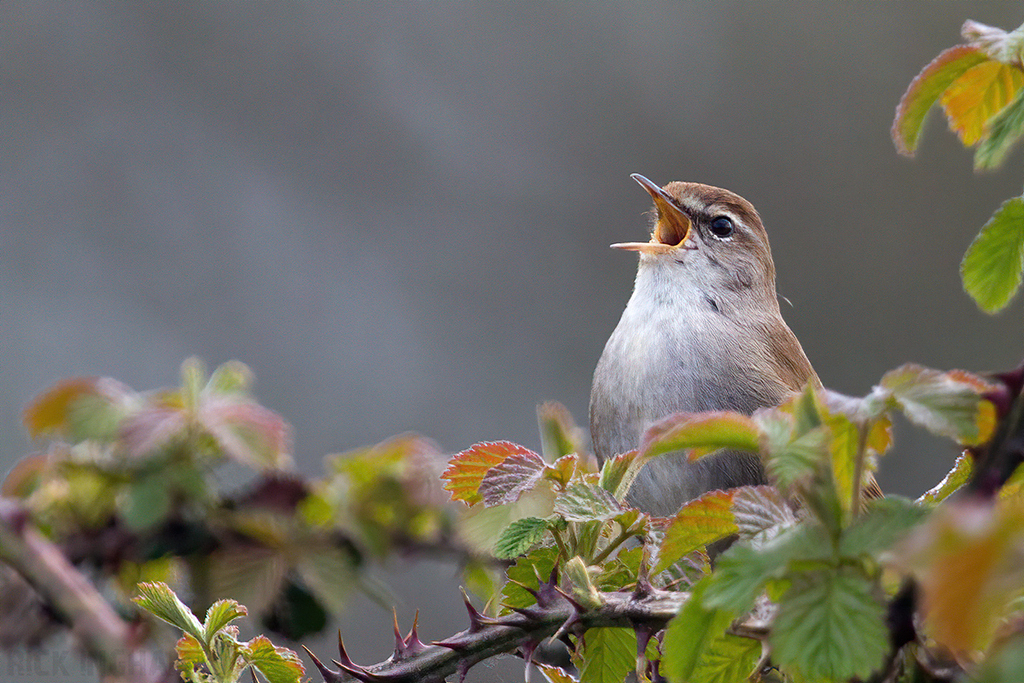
[713,235]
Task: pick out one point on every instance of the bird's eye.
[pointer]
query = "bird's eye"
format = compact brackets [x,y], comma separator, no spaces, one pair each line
[722,227]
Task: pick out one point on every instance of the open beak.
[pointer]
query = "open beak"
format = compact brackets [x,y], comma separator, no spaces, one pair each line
[672,229]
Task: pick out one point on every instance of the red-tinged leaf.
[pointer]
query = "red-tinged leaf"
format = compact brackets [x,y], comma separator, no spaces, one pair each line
[705,432]
[191,657]
[152,429]
[562,470]
[277,664]
[511,478]
[925,89]
[247,432]
[698,523]
[586,502]
[466,471]
[25,476]
[946,403]
[991,269]
[54,411]
[995,42]
[617,474]
[978,95]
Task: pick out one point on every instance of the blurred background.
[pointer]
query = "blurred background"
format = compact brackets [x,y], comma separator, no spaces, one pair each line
[398,214]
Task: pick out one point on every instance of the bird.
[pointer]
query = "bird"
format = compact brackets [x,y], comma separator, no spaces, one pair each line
[702,331]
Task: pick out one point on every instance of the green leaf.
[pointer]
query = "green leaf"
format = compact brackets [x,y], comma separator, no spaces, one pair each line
[830,626]
[277,664]
[925,89]
[949,403]
[539,562]
[991,269]
[1002,132]
[697,648]
[231,377]
[608,655]
[158,599]
[885,522]
[582,502]
[954,479]
[743,571]
[190,657]
[698,523]
[618,473]
[516,474]
[559,435]
[220,614]
[1006,663]
[760,511]
[706,432]
[519,536]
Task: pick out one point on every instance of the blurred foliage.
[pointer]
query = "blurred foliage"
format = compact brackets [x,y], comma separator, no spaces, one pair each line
[980,87]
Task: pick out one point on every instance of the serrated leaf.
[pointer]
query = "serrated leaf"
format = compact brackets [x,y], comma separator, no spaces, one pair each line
[524,572]
[618,473]
[190,656]
[925,89]
[792,458]
[977,95]
[699,522]
[949,403]
[954,479]
[706,432]
[555,674]
[884,522]
[149,431]
[516,474]
[559,435]
[277,664]
[761,511]
[608,655]
[519,536]
[831,626]
[467,469]
[219,615]
[562,470]
[697,648]
[158,599]
[991,269]
[1002,132]
[743,571]
[584,502]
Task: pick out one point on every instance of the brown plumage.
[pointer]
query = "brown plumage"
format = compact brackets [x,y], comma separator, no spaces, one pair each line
[702,331]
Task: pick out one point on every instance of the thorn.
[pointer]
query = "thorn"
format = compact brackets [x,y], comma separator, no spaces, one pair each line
[462,668]
[643,588]
[328,675]
[346,661]
[252,672]
[526,588]
[527,651]
[576,605]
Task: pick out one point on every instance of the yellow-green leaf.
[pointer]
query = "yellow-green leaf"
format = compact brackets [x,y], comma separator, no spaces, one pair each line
[925,89]
[705,432]
[978,95]
[698,523]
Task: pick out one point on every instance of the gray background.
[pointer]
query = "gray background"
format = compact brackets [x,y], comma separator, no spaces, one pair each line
[398,214]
